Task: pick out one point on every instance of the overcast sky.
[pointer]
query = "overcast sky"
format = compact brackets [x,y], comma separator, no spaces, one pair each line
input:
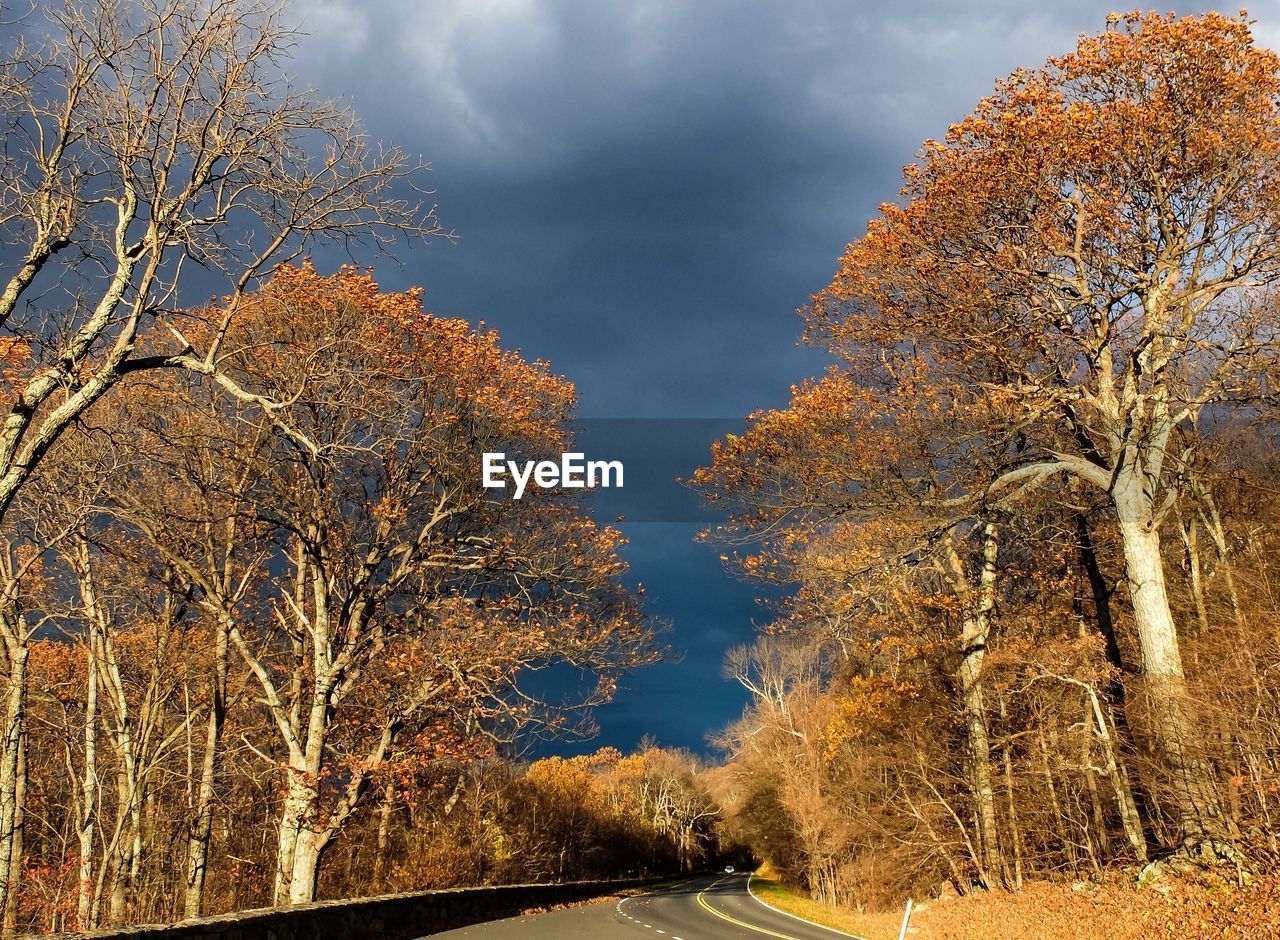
[645,191]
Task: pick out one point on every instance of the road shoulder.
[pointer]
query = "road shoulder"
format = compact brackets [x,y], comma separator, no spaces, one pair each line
[777,898]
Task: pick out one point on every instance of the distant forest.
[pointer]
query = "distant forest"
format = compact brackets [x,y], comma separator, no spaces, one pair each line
[268,639]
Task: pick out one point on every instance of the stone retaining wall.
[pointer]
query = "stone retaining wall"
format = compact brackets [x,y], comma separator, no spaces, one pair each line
[390,917]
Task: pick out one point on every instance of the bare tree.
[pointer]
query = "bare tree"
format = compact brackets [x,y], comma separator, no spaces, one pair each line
[141,138]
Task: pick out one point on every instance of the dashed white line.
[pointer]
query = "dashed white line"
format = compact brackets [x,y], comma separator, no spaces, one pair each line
[644,900]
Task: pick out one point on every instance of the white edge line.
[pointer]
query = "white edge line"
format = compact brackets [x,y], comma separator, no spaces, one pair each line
[803,920]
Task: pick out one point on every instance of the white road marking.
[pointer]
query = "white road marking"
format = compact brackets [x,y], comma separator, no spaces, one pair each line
[802,920]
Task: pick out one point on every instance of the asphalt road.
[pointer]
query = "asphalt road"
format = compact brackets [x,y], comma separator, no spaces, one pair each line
[714,907]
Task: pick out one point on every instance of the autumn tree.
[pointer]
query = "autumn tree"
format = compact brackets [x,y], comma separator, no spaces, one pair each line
[840,779]
[1004,489]
[178,510]
[291,621]
[650,810]
[858,491]
[410,603]
[1084,245]
[141,138]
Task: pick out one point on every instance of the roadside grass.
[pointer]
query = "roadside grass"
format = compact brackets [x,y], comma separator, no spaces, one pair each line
[794,901]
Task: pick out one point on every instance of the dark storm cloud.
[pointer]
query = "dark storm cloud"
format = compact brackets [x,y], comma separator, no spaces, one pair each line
[646,190]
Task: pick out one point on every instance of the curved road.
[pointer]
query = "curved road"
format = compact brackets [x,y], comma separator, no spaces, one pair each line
[712,907]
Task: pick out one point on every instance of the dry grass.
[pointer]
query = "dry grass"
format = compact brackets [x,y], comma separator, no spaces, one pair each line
[1204,905]
[767,888]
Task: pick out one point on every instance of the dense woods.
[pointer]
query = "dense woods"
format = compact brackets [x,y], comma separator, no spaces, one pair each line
[249,631]
[1030,518]
[265,634]
[273,652]
[268,639]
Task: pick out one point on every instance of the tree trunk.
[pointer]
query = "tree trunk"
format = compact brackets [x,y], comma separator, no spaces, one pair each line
[1168,716]
[1130,816]
[980,785]
[11,789]
[385,810]
[202,823]
[1213,525]
[16,848]
[1060,821]
[976,626]
[298,802]
[88,785]
[1015,834]
[1099,816]
[118,899]
[1099,590]
[306,865]
[1191,544]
